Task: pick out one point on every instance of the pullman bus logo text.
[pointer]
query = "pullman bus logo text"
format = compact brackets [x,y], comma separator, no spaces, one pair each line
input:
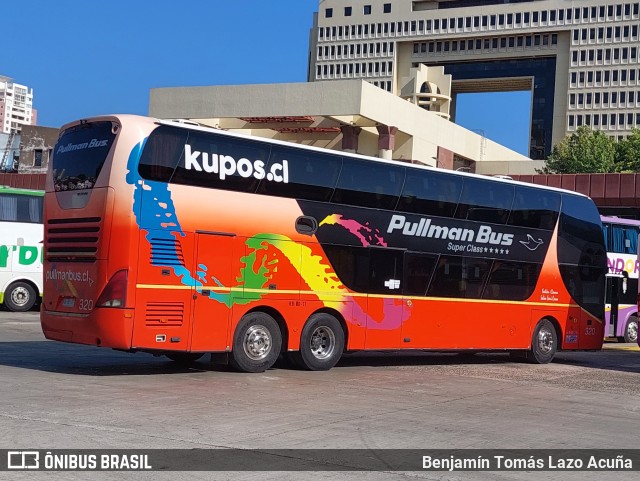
[425,228]
[225,165]
[63,149]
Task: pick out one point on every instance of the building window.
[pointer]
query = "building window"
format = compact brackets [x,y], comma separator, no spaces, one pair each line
[347,11]
[386,8]
[328,13]
[367,10]
[37,158]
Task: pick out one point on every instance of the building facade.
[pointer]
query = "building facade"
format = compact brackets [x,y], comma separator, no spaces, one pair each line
[578,58]
[16,106]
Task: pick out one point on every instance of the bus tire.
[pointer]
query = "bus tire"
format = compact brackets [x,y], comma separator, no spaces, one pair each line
[256,343]
[184,358]
[19,297]
[544,343]
[630,331]
[321,343]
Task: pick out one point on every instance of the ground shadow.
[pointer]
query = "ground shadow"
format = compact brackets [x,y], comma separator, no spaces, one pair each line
[50,356]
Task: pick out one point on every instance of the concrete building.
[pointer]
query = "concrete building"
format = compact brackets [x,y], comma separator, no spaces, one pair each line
[578,58]
[347,115]
[36,148]
[29,151]
[16,106]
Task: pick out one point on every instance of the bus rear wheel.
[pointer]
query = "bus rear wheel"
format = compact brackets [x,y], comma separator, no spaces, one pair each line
[256,343]
[20,297]
[544,343]
[321,343]
[630,331]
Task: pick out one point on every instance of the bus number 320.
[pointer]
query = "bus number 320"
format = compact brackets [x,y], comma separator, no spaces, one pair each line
[590,331]
[86,304]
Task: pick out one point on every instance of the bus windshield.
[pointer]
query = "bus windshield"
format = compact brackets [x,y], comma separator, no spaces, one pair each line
[80,154]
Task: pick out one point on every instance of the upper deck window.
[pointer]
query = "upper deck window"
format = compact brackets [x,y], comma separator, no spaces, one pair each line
[485,201]
[430,193]
[369,184]
[80,154]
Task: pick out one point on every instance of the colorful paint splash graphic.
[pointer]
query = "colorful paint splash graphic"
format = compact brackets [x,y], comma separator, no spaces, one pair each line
[365,234]
[157,216]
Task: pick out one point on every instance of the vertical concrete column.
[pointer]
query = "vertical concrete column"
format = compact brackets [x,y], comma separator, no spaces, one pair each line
[445,158]
[386,141]
[350,135]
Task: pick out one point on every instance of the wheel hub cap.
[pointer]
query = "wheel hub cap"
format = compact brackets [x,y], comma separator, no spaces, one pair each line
[545,341]
[323,342]
[257,342]
[20,296]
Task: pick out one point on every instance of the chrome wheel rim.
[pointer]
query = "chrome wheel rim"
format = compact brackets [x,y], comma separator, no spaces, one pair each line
[20,296]
[323,342]
[545,340]
[632,331]
[257,343]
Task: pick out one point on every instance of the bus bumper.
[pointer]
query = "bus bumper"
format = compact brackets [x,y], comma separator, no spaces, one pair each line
[103,327]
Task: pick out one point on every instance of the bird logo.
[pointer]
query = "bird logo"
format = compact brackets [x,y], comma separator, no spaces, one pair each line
[531,243]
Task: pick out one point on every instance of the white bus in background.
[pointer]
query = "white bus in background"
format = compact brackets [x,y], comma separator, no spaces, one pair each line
[21,235]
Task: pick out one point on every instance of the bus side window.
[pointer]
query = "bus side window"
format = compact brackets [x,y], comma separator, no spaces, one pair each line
[9,207]
[366,185]
[418,269]
[312,175]
[162,153]
[485,201]
[430,193]
[459,277]
[534,208]
[512,281]
[351,265]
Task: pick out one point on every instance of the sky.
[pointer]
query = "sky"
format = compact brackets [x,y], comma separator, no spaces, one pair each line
[84,57]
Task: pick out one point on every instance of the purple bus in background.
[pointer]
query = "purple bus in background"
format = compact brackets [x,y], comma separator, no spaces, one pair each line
[621,239]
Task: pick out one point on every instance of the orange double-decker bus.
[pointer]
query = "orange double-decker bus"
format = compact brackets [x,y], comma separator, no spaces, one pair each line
[182,240]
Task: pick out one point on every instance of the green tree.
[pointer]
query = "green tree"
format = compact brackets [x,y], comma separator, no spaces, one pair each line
[584,151]
[628,153]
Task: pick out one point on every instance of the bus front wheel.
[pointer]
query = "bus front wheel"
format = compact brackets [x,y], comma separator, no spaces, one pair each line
[321,343]
[630,331]
[20,297]
[256,343]
[544,343]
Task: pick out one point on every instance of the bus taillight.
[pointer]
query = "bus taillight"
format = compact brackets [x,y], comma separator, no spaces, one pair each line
[115,292]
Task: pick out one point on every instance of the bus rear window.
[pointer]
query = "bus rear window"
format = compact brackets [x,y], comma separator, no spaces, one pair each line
[80,154]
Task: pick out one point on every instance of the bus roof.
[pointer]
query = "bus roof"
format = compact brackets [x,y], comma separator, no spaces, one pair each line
[191,125]
[620,220]
[5,189]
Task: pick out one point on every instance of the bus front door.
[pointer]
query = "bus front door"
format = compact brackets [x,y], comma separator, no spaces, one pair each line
[212,293]
[616,286]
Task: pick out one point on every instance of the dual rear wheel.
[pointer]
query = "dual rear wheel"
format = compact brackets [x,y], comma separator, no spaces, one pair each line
[257,343]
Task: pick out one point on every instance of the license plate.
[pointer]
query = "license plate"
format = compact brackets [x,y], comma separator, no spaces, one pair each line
[69,302]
